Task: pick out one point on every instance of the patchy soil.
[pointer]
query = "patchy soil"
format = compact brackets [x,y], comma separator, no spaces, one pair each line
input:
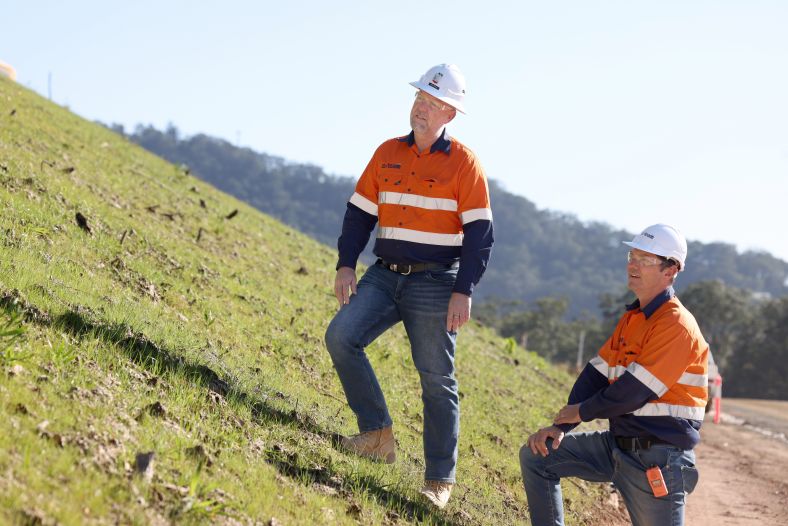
[742,461]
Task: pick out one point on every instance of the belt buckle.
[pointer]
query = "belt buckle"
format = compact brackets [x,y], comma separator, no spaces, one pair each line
[394,267]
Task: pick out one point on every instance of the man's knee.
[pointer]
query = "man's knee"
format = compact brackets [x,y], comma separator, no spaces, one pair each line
[438,386]
[531,462]
[527,457]
[336,338]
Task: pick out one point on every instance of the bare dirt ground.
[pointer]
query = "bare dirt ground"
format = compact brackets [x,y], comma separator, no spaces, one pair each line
[743,464]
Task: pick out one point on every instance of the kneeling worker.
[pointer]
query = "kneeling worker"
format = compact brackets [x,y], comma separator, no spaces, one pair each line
[649,380]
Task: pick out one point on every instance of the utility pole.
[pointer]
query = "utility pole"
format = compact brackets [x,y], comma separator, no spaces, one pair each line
[580,344]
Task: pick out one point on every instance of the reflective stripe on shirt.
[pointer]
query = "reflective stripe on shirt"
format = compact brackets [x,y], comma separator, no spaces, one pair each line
[600,365]
[676,411]
[419,201]
[416,236]
[475,214]
[647,379]
[698,380]
[363,203]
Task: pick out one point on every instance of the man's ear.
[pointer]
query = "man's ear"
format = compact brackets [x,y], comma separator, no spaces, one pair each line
[451,115]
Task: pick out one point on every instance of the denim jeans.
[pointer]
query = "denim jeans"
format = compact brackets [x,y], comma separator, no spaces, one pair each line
[596,457]
[421,301]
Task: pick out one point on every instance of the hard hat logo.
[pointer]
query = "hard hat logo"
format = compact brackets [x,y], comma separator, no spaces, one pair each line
[436,80]
[446,83]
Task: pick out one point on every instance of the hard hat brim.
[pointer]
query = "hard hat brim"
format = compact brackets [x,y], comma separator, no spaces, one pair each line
[653,248]
[446,100]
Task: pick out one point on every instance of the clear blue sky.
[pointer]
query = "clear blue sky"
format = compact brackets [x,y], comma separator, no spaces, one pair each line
[626,112]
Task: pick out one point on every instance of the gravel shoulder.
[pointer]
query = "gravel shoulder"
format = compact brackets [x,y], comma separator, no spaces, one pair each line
[742,462]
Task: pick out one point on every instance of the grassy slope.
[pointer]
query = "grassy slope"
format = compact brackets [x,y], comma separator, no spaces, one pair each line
[139,337]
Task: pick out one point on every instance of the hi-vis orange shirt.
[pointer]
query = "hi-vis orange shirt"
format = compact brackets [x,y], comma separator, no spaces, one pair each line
[431,207]
[650,377]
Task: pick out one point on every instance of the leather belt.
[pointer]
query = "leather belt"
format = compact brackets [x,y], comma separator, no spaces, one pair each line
[636,443]
[409,268]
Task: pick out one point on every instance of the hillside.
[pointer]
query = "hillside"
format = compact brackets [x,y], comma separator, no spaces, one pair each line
[161,357]
[538,253]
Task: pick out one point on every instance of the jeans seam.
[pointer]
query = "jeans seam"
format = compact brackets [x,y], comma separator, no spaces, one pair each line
[381,410]
[552,503]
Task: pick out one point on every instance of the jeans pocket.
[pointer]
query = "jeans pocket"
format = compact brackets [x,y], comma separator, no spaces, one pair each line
[654,456]
[689,477]
[441,276]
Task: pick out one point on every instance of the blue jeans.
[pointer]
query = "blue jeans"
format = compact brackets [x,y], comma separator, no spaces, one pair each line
[596,457]
[421,301]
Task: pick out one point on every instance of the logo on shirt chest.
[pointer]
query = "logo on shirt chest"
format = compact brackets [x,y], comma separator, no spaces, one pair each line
[391,166]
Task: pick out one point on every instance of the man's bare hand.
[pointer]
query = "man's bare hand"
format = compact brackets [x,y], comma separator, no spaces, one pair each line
[569,414]
[538,441]
[459,311]
[344,285]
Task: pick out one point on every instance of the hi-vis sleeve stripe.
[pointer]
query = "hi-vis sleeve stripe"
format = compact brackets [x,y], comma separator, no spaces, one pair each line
[600,365]
[698,380]
[647,379]
[676,411]
[613,373]
[419,201]
[475,214]
[416,236]
[363,203]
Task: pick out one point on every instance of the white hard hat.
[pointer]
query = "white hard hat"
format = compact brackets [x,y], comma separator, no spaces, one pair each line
[662,240]
[446,83]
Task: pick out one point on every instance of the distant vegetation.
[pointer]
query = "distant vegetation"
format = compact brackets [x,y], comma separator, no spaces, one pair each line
[551,277]
[747,333]
[538,253]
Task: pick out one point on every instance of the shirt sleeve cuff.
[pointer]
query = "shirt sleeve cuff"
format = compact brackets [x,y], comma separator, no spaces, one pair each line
[566,428]
[584,418]
[346,263]
[463,288]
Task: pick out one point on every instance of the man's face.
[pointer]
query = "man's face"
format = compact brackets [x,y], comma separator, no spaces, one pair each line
[429,115]
[645,276]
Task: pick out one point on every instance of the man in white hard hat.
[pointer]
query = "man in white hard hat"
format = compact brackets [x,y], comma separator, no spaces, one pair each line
[428,194]
[649,380]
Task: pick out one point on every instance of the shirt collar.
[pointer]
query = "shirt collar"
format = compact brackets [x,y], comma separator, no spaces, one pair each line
[442,144]
[654,304]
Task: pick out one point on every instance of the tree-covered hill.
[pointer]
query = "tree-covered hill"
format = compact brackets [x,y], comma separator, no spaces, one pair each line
[162,358]
[538,253]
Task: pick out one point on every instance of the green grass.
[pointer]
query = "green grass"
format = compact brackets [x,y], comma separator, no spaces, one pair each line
[169,328]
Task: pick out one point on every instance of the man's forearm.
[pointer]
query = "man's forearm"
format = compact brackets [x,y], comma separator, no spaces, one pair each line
[477,246]
[356,229]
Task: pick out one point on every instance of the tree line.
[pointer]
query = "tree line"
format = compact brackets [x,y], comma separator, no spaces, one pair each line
[551,277]
[746,332]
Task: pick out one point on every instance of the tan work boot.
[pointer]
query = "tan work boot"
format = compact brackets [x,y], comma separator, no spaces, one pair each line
[437,492]
[377,445]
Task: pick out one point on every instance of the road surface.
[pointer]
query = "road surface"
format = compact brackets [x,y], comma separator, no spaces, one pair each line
[743,463]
